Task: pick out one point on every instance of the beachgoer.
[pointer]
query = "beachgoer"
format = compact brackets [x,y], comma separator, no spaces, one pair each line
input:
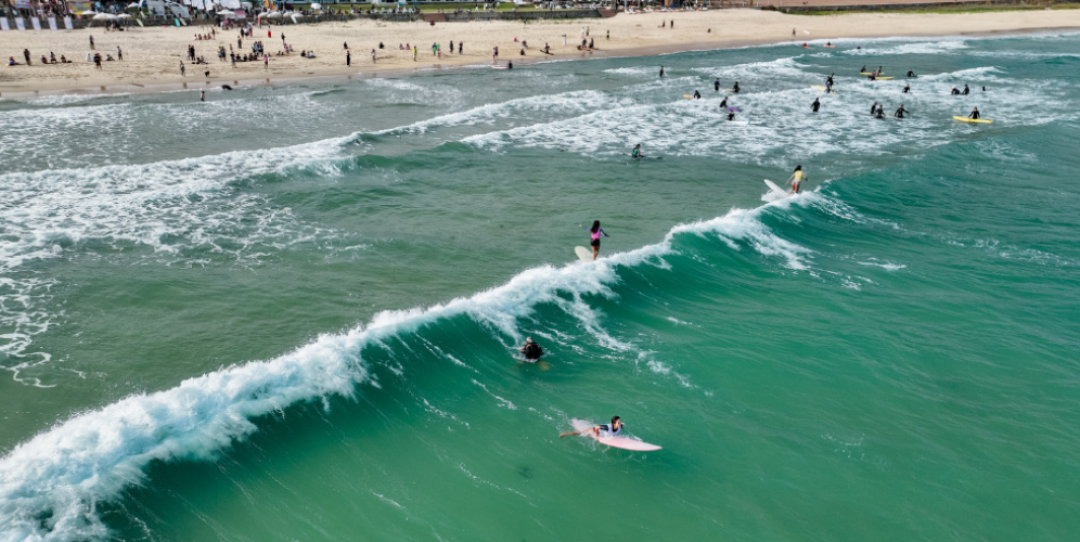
[911,73]
[907,88]
[181,68]
[697,95]
[880,113]
[966,91]
[873,108]
[735,87]
[661,72]
[900,112]
[815,106]
[91,42]
[596,231]
[373,56]
[716,85]
[636,153]
[796,177]
[955,91]
[974,114]
[202,95]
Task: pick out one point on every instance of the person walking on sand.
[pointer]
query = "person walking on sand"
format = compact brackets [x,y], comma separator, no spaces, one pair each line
[91,42]
[373,56]
[119,54]
[415,51]
[495,55]
[181,68]
[348,58]
[26,55]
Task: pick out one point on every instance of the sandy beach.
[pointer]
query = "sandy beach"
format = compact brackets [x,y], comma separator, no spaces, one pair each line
[152,56]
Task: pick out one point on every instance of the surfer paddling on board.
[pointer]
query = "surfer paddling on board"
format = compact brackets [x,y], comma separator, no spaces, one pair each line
[614,429]
[531,351]
[596,231]
[796,177]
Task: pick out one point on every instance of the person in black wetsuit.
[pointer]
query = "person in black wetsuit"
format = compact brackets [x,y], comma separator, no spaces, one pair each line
[911,74]
[815,106]
[731,115]
[880,113]
[723,104]
[735,88]
[955,91]
[975,114]
[531,351]
[863,69]
[828,80]
[661,72]
[716,85]
[873,108]
[900,112]
[907,88]
[697,95]
[966,91]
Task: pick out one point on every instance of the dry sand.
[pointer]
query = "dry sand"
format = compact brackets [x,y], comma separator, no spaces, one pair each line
[152,55]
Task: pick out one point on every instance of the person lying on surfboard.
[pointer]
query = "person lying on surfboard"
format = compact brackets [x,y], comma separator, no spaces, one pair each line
[596,231]
[796,178]
[531,351]
[614,429]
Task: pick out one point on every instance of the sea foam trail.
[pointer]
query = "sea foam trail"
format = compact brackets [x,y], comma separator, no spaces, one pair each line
[51,484]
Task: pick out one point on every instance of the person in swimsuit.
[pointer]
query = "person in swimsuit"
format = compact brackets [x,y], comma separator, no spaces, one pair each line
[596,231]
[636,153]
[531,351]
[796,178]
[614,429]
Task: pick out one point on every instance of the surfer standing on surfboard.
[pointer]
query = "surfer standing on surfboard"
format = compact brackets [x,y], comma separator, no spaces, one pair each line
[796,178]
[614,429]
[596,231]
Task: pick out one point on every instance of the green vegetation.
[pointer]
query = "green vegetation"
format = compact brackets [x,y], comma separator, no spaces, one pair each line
[983,8]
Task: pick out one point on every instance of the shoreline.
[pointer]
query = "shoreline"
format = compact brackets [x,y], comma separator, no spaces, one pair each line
[147,82]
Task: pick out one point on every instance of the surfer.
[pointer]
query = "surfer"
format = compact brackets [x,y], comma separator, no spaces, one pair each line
[697,95]
[723,104]
[872,76]
[880,113]
[595,231]
[907,88]
[636,153]
[873,108]
[974,114]
[716,85]
[796,178]
[863,69]
[966,91]
[828,80]
[900,112]
[661,72]
[735,87]
[955,91]
[614,429]
[531,351]
[911,73]
[815,106]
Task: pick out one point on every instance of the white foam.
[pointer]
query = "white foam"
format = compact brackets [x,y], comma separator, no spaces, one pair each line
[61,473]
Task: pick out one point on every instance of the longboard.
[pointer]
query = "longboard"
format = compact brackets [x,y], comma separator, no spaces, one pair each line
[624,443]
[821,88]
[871,73]
[583,253]
[688,96]
[775,192]
[980,121]
[880,78]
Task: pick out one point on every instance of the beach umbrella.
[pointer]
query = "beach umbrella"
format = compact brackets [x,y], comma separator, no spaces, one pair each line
[123,16]
[104,17]
[87,12]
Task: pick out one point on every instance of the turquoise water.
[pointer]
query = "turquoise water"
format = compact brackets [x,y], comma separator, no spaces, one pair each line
[292,313]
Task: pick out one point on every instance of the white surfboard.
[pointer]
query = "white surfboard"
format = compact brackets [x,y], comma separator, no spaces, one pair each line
[774,193]
[625,443]
[584,253]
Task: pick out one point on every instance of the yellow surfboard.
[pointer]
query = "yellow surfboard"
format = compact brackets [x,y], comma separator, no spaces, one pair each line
[980,121]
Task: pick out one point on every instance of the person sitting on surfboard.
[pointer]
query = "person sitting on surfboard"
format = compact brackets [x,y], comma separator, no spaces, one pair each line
[863,70]
[974,114]
[796,178]
[531,351]
[911,73]
[614,429]
[900,112]
[596,231]
[636,153]
[955,91]
[697,95]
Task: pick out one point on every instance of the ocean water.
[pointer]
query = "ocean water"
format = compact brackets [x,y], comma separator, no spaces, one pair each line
[292,313]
